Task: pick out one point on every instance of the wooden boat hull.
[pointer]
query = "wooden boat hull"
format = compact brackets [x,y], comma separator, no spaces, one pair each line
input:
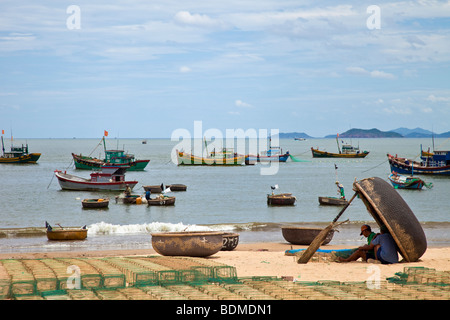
[304,236]
[71,182]
[408,183]
[166,201]
[28,158]
[332,201]
[177,187]
[95,203]
[189,159]
[67,234]
[153,189]
[323,154]
[405,166]
[283,199]
[193,244]
[89,163]
[230,241]
[252,159]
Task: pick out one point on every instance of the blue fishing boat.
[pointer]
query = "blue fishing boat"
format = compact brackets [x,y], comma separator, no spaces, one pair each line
[407,182]
[273,154]
[436,163]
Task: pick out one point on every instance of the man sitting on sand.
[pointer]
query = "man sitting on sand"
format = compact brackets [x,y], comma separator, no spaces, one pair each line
[361,252]
[385,247]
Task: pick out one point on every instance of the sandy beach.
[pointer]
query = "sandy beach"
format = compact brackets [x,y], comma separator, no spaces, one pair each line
[269,259]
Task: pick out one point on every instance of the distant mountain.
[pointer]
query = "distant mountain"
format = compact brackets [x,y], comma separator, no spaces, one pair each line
[372,133]
[293,135]
[413,133]
[367,133]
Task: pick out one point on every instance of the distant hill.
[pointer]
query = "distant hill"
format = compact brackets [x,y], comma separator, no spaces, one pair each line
[367,133]
[413,133]
[293,135]
[372,133]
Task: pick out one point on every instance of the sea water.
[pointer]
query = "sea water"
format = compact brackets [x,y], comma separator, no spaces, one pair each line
[232,199]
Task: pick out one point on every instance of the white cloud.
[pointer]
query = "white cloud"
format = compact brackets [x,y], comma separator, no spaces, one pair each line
[185,69]
[433,98]
[242,104]
[373,74]
[197,20]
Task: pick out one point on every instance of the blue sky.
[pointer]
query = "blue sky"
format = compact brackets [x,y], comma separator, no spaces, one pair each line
[146,68]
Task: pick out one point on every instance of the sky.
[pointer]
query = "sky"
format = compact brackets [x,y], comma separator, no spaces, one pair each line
[147,68]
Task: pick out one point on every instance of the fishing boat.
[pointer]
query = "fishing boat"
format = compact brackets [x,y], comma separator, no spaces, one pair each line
[274,154]
[66,233]
[437,164]
[347,151]
[161,201]
[109,178]
[95,203]
[225,157]
[112,157]
[332,201]
[407,182]
[18,155]
[282,199]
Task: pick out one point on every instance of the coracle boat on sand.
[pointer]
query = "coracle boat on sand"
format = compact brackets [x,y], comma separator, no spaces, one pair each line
[189,243]
[304,236]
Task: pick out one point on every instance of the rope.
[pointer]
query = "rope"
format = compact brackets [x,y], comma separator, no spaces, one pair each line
[375,166]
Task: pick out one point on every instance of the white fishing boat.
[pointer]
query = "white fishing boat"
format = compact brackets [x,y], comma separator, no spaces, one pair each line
[109,178]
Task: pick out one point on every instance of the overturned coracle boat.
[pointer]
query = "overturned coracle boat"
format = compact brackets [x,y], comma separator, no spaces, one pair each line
[388,208]
[192,243]
[304,236]
[66,233]
[282,199]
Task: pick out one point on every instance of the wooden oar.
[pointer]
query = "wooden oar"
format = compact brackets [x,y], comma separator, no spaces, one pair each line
[318,240]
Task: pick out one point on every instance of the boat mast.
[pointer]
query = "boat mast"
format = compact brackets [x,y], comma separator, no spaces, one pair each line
[337,141]
[3,147]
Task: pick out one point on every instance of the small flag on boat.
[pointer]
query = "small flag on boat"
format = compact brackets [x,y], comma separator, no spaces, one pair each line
[106,133]
[3,131]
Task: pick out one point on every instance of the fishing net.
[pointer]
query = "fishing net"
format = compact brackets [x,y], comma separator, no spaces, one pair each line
[184,278]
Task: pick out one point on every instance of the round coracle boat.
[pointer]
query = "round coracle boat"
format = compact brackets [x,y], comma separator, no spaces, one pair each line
[388,208]
[192,243]
[230,241]
[67,234]
[304,236]
[95,203]
[282,199]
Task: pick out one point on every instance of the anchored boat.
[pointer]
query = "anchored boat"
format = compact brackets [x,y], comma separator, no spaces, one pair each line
[18,155]
[109,178]
[112,157]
